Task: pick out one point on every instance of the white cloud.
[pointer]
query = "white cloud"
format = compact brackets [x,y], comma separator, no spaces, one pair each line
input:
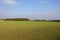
[43,1]
[48,15]
[1,11]
[10,1]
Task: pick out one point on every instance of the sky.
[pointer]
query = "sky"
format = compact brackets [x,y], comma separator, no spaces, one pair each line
[32,9]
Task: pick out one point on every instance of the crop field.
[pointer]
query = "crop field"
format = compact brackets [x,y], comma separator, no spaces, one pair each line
[29,30]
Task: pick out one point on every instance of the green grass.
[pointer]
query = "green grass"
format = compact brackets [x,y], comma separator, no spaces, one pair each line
[29,30]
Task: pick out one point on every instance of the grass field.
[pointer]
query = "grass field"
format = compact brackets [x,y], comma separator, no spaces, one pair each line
[29,30]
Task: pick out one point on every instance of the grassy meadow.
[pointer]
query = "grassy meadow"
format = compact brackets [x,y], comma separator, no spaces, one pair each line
[29,30]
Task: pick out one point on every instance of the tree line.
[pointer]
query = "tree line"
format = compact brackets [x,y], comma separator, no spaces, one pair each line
[26,19]
[16,19]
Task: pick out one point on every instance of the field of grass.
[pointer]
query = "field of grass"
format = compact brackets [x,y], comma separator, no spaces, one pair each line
[29,30]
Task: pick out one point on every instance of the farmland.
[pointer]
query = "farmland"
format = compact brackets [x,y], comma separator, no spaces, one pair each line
[29,30]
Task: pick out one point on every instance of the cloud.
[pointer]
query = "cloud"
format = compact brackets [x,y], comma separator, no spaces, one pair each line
[43,1]
[47,15]
[10,2]
[1,11]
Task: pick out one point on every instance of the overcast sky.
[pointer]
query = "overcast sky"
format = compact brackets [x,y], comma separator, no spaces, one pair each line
[33,9]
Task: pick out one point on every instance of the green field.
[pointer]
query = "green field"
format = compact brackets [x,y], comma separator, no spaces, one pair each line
[29,30]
